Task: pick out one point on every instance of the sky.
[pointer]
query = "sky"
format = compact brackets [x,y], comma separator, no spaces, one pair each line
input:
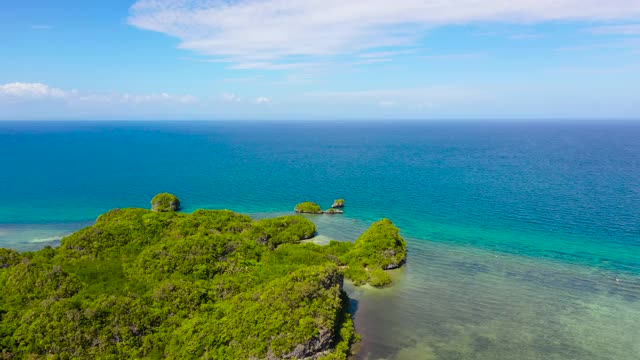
[319,59]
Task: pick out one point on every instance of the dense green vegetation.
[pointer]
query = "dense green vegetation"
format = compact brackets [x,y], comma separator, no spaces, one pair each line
[8,258]
[282,230]
[212,284]
[165,202]
[379,248]
[338,203]
[308,207]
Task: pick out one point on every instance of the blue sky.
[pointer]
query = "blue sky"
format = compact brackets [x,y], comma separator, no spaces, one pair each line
[312,59]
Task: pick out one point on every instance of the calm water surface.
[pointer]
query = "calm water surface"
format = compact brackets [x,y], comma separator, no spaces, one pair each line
[524,239]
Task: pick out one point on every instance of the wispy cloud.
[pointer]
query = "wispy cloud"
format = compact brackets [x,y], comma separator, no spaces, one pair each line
[387,54]
[21,91]
[273,66]
[155,98]
[41,27]
[627,29]
[256,34]
[263,100]
[228,97]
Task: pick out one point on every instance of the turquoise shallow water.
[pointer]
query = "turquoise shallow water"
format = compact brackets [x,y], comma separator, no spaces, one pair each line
[524,239]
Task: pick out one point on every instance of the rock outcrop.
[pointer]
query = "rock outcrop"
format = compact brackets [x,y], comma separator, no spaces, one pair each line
[164,202]
[338,203]
[330,281]
[333,211]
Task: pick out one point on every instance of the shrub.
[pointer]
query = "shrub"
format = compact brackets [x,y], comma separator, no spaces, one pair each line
[282,230]
[308,207]
[381,246]
[378,277]
[8,258]
[165,202]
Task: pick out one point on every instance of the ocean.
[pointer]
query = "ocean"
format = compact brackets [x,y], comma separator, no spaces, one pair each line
[523,237]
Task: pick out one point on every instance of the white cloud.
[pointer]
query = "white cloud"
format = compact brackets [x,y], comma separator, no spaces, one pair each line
[255,34]
[155,98]
[628,29]
[263,100]
[228,97]
[19,91]
[30,90]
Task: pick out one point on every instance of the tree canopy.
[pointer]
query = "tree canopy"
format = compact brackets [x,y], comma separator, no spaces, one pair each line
[211,284]
[165,202]
[308,207]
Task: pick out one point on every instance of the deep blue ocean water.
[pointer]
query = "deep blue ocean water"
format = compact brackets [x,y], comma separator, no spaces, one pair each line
[524,238]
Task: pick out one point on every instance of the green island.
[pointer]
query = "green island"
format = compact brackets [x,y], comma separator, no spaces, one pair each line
[165,202]
[308,207]
[214,284]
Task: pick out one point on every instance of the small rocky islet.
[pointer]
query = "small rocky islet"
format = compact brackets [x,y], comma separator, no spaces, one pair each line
[309,207]
[211,284]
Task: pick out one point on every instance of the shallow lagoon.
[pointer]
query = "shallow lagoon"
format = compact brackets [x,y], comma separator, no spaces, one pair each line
[455,302]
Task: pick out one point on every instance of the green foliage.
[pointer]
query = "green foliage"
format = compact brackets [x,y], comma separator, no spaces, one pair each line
[8,258]
[165,202]
[32,281]
[338,203]
[200,256]
[308,207]
[258,322]
[378,277]
[145,284]
[106,326]
[205,222]
[346,336]
[118,231]
[379,248]
[212,284]
[282,230]
[357,274]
